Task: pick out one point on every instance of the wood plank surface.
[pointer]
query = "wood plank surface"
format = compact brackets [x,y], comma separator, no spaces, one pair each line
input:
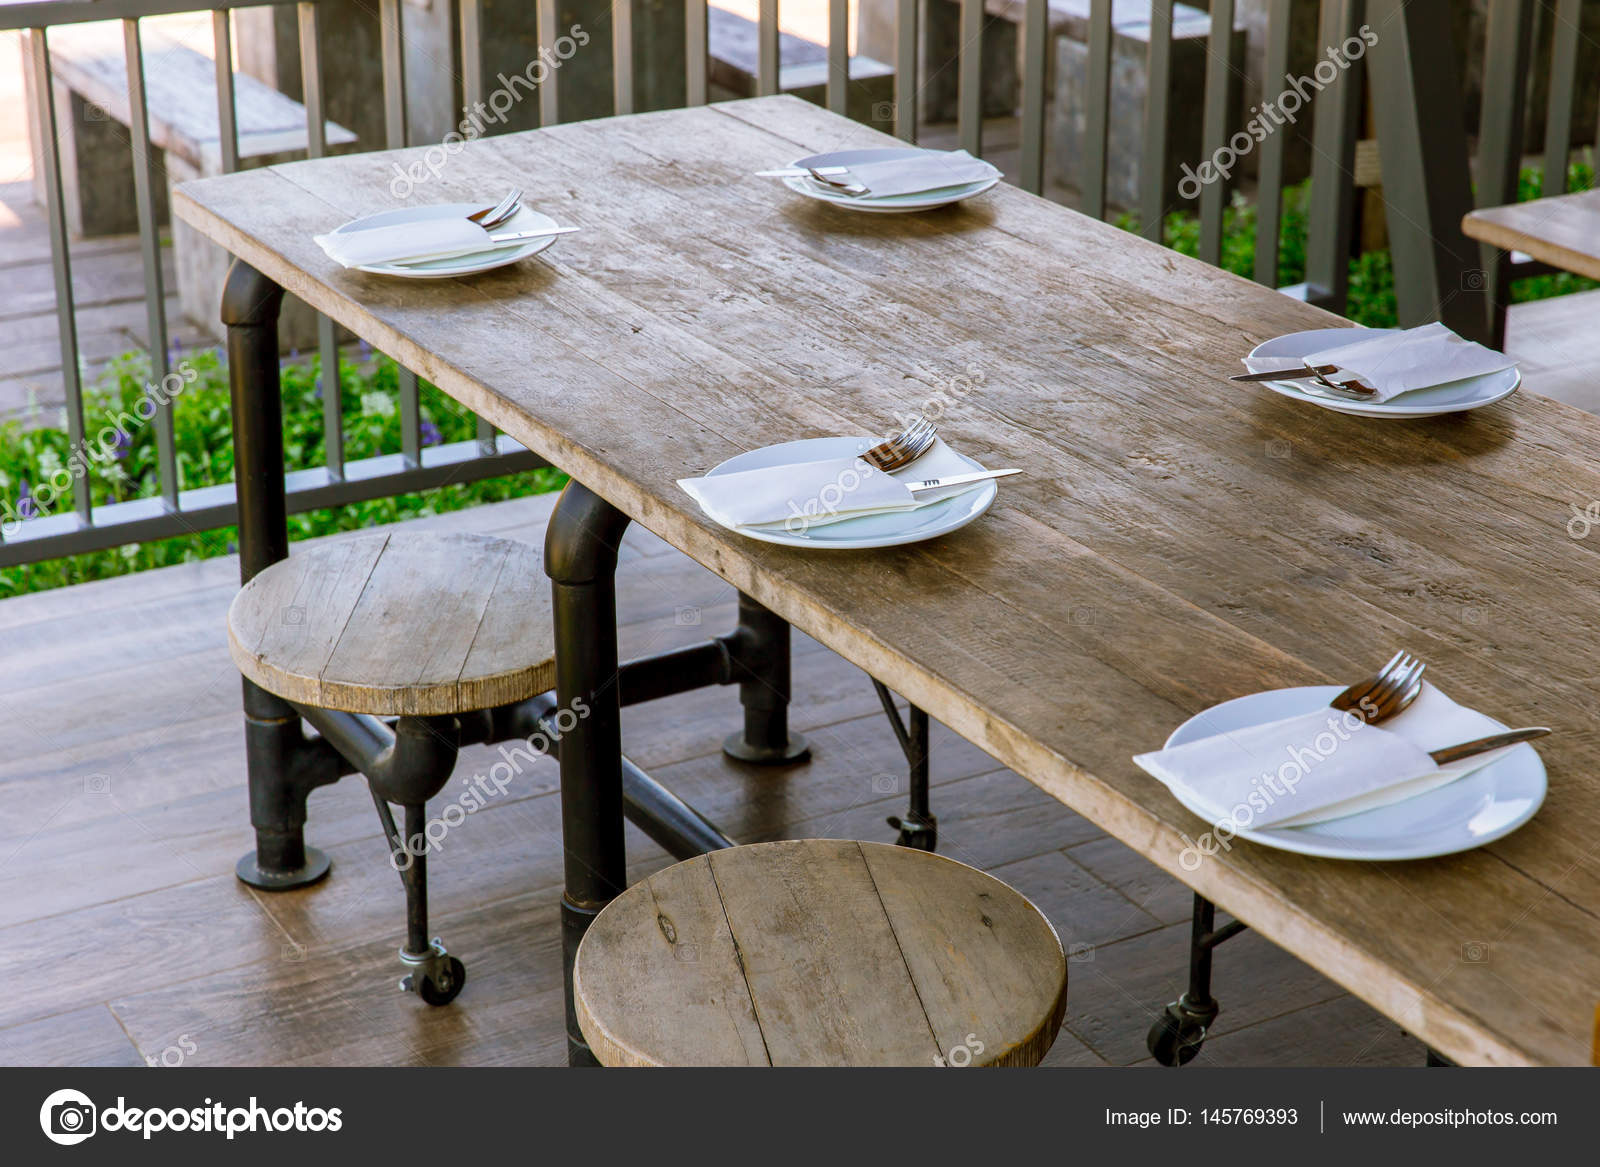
[1177,541]
[815,952]
[411,624]
[1563,230]
[170,815]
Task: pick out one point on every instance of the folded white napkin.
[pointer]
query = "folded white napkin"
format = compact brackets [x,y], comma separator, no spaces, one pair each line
[1321,765]
[930,170]
[798,497]
[1398,362]
[406,242]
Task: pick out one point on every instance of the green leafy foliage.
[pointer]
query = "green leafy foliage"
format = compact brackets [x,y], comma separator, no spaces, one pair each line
[1371,297]
[124,456]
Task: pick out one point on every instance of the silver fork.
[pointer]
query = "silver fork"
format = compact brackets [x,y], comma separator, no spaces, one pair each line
[500,212]
[854,188]
[1385,693]
[903,448]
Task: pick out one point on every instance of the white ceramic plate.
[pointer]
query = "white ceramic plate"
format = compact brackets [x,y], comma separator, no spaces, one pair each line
[890,205]
[1469,812]
[1453,397]
[929,522]
[460,265]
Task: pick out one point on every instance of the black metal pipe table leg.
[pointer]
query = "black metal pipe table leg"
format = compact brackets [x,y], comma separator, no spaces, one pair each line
[581,560]
[760,652]
[1180,1031]
[273,740]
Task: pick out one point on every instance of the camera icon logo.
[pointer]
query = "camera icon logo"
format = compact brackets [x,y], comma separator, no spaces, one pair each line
[67,1117]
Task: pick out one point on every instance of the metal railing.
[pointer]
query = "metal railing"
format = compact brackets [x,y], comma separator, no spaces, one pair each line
[1412,72]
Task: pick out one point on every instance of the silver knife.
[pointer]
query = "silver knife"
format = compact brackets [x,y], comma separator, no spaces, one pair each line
[1483,745]
[536,233]
[803,172]
[959,479]
[1288,374]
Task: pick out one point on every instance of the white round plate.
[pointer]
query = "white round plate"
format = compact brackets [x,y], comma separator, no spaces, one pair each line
[461,265]
[1452,397]
[928,522]
[891,204]
[1469,812]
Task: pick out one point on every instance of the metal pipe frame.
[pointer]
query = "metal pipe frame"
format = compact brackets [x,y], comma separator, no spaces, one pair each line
[1181,1029]
[918,828]
[408,761]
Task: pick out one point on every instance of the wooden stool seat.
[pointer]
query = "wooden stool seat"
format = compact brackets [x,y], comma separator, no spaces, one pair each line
[820,952]
[409,624]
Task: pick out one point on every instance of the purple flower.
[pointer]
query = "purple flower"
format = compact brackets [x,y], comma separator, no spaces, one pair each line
[430,434]
[294,354]
[123,445]
[25,504]
[317,392]
[364,349]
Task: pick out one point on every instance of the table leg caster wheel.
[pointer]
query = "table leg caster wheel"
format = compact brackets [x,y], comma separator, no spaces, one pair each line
[1178,1034]
[436,976]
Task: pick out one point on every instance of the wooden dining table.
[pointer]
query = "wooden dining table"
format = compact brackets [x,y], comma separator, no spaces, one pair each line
[1561,230]
[1175,541]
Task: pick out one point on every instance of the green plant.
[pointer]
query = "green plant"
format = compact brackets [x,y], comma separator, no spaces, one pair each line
[125,456]
[1371,297]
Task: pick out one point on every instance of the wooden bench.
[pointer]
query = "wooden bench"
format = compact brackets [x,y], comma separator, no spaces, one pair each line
[426,628]
[92,118]
[820,952]
[734,50]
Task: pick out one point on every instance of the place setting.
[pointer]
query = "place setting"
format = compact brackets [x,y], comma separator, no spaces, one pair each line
[442,240]
[1388,768]
[848,493]
[887,180]
[1383,372]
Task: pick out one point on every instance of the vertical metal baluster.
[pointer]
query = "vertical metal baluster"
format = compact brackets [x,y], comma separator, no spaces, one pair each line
[767,78]
[1335,124]
[472,54]
[1427,182]
[227,120]
[392,37]
[1219,70]
[1269,179]
[1035,42]
[969,78]
[1508,48]
[838,86]
[697,49]
[471,95]
[1558,118]
[1097,126]
[1153,163]
[905,69]
[60,258]
[549,105]
[622,56]
[317,147]
[155,298]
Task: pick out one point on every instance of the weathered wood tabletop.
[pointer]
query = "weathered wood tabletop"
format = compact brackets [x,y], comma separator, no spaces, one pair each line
[1177,540]
[1563,230]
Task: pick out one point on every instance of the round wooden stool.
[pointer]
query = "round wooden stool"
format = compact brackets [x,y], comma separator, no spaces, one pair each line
[820,952]
[408,624]
[424,627]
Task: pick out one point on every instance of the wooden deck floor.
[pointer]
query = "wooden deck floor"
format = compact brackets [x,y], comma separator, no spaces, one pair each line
[122,812]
